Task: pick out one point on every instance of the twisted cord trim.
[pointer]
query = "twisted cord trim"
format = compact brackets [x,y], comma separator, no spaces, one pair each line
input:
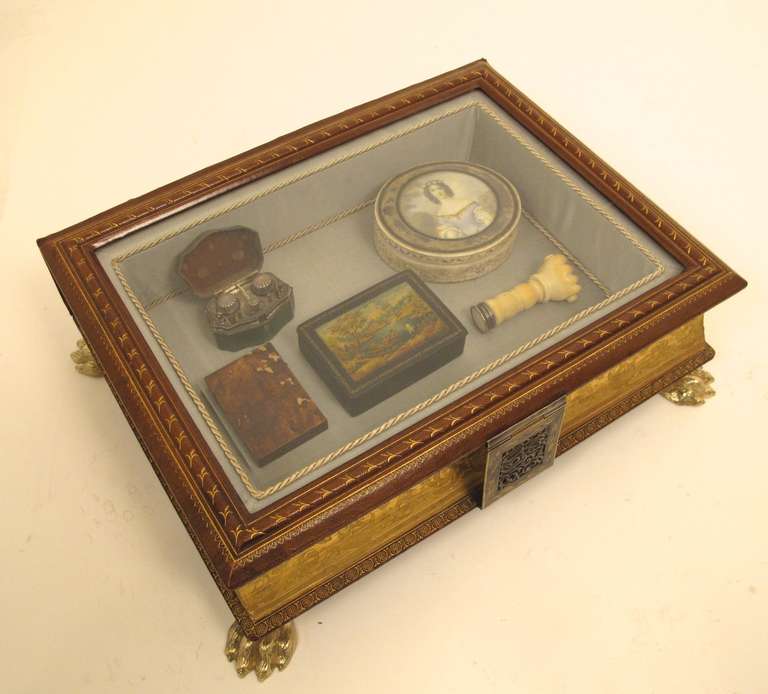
[393,421]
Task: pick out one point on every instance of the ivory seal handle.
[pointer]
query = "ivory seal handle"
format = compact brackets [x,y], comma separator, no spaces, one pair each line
[555,280]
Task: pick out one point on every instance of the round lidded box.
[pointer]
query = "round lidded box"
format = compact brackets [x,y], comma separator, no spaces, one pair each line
[448,221]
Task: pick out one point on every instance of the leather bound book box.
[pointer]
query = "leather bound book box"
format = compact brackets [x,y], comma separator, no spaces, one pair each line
[598,305]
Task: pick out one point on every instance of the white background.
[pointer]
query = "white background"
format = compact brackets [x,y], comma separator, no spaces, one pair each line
[639,563]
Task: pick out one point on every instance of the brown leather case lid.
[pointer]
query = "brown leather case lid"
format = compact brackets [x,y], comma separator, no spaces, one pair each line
[218,259]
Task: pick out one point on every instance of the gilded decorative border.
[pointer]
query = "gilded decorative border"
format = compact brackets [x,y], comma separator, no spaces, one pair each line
[238,535]
[364,566]
[359,569]
[613,412]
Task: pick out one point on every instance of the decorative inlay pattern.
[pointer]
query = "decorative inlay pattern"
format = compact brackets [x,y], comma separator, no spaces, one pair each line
[240,537]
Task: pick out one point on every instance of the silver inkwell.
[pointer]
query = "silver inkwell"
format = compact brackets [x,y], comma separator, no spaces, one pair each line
[246,306]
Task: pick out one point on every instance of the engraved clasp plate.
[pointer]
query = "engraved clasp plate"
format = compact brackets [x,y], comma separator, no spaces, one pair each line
[521,451]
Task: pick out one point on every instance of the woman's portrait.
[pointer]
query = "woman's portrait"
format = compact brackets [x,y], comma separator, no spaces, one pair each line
[452,206]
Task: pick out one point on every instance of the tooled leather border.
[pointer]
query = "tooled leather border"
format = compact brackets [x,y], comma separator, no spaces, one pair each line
[420,532]
[234,538]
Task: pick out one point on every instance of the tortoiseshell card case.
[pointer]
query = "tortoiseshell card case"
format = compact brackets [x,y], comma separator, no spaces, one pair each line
[264,404]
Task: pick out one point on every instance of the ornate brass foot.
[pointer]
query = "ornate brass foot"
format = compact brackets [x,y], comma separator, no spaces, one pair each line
[693,389]
[85,363]
[273,650]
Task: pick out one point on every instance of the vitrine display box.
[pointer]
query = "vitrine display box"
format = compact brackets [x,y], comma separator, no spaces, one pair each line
[340,500]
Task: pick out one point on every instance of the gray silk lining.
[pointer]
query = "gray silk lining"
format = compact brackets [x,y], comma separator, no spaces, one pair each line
[338,260]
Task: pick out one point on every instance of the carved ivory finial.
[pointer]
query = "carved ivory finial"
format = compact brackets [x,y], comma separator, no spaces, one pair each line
[555,280]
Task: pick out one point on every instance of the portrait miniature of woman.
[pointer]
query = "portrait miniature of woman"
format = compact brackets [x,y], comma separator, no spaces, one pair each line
[457,217]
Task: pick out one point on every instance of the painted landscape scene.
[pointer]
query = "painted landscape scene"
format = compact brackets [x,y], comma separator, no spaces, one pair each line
[382,331]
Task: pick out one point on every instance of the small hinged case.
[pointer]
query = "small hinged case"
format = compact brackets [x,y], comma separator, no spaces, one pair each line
[381,340]
[245,305]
